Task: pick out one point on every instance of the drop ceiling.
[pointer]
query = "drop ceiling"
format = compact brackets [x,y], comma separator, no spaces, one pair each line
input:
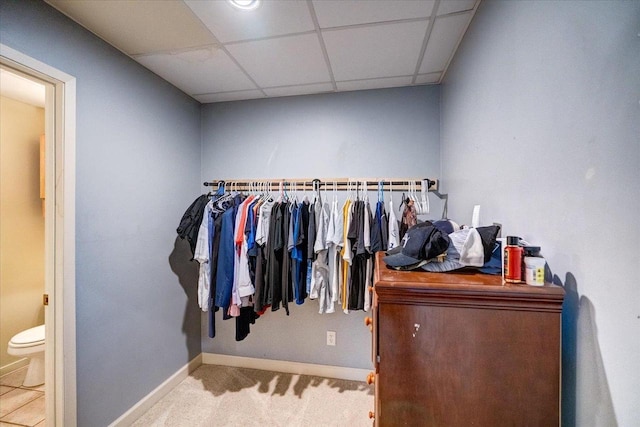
[214,52]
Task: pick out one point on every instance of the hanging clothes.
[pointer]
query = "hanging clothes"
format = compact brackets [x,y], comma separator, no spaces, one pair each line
[334,241]
[409,217]
[262,239]
[242,284]
[301,244]
[359,262]
[191,220]
[255,254]
[202,254]
[295,240]
[273,275]
[394,227]
[370,223]
[346,254]
[287,283]
[321,288]
[226,255]
[217,231]
[311,239]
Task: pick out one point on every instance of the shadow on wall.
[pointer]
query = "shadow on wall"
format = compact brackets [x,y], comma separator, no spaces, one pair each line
[187,272]
[586,398]
[593,397]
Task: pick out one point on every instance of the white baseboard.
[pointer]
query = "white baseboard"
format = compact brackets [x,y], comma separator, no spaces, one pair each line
[139,409]
[353,374]
[14,366]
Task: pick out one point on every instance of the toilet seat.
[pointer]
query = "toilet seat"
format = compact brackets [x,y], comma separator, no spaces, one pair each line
[30,338]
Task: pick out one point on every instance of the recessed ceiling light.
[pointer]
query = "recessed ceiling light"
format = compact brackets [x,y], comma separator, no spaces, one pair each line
[245,4]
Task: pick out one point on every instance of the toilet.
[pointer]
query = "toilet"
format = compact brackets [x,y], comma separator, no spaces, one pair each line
[30,343]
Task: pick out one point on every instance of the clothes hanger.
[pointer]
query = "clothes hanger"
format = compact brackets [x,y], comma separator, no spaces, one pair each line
[305,197]
[224,198]
[425,195]
[365,192]
[316,189]
[324,190]
[403,201]
[295,193]
[412,196]
[287,190]
[269,186]
[220,190]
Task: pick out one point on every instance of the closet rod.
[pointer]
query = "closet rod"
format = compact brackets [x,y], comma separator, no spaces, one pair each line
[399,184]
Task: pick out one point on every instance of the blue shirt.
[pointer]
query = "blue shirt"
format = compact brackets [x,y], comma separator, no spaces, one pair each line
[224,275]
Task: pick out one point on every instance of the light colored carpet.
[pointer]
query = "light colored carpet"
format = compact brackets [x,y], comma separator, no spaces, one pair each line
[223,396]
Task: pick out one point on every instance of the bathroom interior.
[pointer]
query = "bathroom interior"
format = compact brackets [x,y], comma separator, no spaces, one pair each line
[22,253]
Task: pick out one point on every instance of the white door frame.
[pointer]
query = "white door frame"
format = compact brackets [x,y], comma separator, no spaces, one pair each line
[60,315]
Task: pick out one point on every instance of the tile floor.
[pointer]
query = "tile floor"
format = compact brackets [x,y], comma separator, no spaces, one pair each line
[20,406]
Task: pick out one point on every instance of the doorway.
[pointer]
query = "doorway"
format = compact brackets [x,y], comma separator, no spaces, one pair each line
[22,242]
[59,231]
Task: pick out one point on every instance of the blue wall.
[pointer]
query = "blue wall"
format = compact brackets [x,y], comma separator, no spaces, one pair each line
[377,133]
[138,168]
[541,126]
[539,123]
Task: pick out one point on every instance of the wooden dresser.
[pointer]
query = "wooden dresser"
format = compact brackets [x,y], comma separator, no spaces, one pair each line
[463,350]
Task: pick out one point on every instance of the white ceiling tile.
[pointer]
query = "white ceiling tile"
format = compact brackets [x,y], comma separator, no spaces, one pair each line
[282,61]
[430,78]
[369,43]
[376,51]
[139,26]
[230,96]
[444,38]
[198,71]
[334,13]
[451,6]
[374,83]
[299,90]
[271,18]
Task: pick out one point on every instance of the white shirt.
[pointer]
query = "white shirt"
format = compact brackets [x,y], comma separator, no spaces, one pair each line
[241,278]
[262,228]
[334,240]
[394,229]
[336,225]
[201,254]
[320,269]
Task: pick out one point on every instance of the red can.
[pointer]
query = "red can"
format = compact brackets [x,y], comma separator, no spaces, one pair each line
[513,260]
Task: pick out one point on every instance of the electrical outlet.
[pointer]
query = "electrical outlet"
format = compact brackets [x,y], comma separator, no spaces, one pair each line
[331,338]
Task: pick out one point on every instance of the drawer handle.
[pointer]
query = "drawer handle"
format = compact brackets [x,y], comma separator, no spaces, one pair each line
[372,415]
[368,321]
[371,378]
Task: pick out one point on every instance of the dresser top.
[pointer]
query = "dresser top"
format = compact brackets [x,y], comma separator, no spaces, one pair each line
[393,284]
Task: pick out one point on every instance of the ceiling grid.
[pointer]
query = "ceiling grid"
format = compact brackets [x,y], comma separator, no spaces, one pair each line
[427,34]
[215,53]
[316,25]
